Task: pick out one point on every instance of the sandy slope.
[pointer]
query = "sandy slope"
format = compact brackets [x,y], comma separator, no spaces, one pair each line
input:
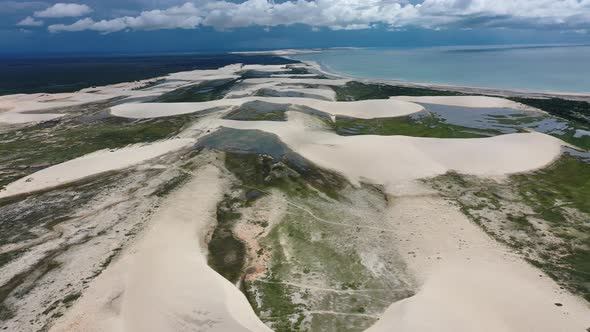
[24,108]
[467,101]
[470,282]
[396,161]
[92,164]
[365,109]
[15,117]
[163,283]
[327,94]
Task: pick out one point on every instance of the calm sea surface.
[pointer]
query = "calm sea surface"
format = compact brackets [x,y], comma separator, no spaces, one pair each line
[546,68]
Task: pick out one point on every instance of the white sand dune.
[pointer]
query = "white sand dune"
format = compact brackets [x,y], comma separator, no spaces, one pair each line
[293,75]
[22,108]
[397,161]
[205,75]
[500,296]
[311,81]
[466,101]
[266,68]
[163,283]
[245,89]
[40,107]
[16,117]
[470,282]
[92,164]
[365,109]
[327,94]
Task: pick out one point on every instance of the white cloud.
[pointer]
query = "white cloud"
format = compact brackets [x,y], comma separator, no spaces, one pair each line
[64,10]
[29,22]
[353,15]
[178,17]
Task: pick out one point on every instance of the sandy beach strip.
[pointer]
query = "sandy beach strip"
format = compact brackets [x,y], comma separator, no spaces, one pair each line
[92,164]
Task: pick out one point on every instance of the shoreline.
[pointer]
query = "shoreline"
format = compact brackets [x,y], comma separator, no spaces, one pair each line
[502,92]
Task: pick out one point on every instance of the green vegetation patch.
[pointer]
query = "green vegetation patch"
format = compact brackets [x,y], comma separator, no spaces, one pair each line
[8,257]
[172,184]
[261,160]
[21,215]
[207,91]
[576,111]
[569,136]
[297,70]
[257,174]
[71,298]
[364,91]
[573,110]
[252,115]
[557,194]
[551,191]
[33,148]
[298,259]
[259,111]
[418,126]
[517,120]
[226,252]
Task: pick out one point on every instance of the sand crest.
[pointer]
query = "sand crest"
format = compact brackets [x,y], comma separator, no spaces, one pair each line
[365,109]
[397,161]
[467,101]
[163,283]
[92,164]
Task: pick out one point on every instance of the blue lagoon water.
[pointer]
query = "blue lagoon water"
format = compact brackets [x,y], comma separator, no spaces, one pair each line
[538,68]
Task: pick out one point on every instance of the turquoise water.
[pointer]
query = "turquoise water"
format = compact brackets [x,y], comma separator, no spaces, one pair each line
[538,68]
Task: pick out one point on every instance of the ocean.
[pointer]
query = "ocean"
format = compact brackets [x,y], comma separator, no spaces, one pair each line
[536,68]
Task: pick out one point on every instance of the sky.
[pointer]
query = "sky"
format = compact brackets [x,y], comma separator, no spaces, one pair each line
[157,26]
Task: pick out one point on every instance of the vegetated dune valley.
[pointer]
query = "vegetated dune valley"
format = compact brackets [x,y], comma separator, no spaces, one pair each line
[260,191]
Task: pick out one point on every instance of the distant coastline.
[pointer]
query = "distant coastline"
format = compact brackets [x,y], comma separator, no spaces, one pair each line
[38,75]
[502,92]
[341,58]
